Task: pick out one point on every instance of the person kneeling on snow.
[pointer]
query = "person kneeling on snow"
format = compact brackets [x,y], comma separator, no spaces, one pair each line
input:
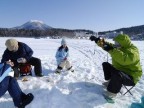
[10,84]
[19,53]
[62,55]
[125,68]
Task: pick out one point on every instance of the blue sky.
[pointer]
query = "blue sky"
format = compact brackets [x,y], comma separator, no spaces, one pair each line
[96,15]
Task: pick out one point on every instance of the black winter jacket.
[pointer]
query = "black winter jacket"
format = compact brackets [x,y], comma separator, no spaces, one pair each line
[23,51]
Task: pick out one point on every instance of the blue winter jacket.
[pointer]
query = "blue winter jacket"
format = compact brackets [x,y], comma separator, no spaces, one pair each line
[61,55]
[5,69]
[23,51]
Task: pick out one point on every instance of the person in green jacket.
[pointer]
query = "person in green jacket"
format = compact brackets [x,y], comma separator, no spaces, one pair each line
[125,68]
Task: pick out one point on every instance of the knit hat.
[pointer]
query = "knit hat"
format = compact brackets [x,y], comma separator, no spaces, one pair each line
[63,42]
[11,44]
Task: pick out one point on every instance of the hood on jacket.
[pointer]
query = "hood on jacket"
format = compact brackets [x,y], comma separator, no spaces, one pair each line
[123,40]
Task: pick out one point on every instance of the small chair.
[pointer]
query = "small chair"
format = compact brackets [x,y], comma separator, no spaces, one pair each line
[125,86]
[128,90]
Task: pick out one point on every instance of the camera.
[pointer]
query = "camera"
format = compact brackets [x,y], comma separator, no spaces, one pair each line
[101,41]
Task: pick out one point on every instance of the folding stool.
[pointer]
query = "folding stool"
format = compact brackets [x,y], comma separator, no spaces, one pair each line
[128,90]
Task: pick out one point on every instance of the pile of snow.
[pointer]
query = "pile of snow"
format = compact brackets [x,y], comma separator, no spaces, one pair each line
[81,89]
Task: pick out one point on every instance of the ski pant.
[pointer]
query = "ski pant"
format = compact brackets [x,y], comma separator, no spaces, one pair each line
[36,62]
[10,84]
[116,77]
[63,64]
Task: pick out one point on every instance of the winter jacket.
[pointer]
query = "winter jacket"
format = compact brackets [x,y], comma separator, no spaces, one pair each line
[23,51]
[61,54]
[126,58]
[5,69]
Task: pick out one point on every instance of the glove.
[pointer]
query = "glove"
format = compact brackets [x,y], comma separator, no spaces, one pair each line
[10,63]
[24,60]
[21,60]
[65,58]
[107,47]
[93,38]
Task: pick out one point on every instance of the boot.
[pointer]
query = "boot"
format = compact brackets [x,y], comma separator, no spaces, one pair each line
[58,70]
[71,69]
[39,75]
[110,94]
[26,100]
[106,83]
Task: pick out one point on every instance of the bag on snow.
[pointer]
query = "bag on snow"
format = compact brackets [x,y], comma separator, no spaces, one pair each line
[25,69]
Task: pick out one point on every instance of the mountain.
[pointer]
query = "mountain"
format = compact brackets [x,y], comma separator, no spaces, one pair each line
[36,28]
[135,30]
[34,24]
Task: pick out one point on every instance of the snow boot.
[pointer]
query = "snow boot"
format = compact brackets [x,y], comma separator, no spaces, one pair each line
[26,100]
[39,75]
[58,70]
[106,83]
[71,69]
[110,94]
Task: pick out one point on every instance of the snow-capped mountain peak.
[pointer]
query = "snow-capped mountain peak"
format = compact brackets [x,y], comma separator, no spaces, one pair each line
[36,21]
[34,24]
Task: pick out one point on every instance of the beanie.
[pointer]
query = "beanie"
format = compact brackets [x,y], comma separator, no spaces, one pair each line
[11,44]
[63,42]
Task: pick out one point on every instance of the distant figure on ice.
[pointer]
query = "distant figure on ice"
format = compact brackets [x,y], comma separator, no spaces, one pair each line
[125,68]
[18,53]
[62,55]
[8,83]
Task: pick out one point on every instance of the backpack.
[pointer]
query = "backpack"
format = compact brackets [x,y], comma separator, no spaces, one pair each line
[25,69]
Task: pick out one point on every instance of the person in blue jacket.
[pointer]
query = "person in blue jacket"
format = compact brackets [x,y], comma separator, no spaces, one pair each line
[10,84]
[62,55]
[17,53]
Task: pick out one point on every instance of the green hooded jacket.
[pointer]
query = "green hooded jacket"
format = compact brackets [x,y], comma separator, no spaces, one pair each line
[126,58]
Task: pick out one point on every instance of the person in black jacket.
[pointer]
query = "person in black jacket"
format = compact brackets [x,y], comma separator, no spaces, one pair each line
[17,53]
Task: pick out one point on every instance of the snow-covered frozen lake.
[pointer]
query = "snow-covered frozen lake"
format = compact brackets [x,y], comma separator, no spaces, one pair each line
[81,89]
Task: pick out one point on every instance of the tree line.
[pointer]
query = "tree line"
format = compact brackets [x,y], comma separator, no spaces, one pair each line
[7,32]
[136,30]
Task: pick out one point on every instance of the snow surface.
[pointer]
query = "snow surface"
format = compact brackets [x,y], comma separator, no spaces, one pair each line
[81,89]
